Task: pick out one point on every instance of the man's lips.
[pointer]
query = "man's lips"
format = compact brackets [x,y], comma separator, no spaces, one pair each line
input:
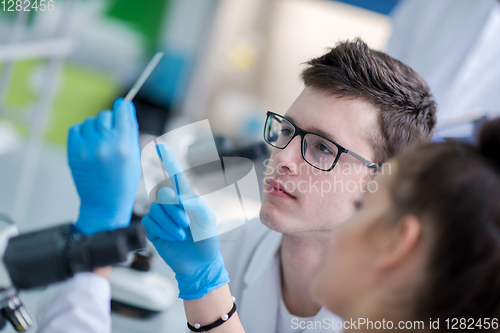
[277,189]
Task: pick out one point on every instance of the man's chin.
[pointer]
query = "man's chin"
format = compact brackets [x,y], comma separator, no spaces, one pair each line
[273,220]
[291,225]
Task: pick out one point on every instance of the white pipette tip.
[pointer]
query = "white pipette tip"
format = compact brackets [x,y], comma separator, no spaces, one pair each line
[144,76]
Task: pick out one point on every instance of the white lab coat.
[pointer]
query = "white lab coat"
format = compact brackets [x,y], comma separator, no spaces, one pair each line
[454,45]
[250,255]
[81,305]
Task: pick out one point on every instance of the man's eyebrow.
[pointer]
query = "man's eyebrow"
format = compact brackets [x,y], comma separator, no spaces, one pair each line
[315,130]
[319,131]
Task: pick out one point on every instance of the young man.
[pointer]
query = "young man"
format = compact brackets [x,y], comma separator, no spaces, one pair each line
[359,108]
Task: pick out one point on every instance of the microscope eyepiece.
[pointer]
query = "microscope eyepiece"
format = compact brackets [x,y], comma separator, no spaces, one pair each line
[43,257]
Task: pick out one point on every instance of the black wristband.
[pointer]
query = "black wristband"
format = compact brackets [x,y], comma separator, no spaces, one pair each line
[217,323]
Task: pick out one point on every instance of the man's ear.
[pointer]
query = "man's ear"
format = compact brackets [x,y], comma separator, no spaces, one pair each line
[403,242]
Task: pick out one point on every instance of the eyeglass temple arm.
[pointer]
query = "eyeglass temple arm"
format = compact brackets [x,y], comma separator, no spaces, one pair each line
[364,160]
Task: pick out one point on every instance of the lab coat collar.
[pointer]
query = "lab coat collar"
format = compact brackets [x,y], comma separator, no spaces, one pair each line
[259,304]
[263,258]
[260,298]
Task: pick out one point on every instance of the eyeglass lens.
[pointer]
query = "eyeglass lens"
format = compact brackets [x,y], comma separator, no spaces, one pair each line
[318,151]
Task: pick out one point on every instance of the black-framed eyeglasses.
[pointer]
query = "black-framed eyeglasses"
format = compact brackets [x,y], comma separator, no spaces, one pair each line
[318,151]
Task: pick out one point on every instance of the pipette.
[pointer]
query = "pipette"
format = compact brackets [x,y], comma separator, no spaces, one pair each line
[135,89]
[144,76]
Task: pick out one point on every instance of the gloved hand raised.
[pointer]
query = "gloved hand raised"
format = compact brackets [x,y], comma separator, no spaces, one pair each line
[198,265]
[105,161]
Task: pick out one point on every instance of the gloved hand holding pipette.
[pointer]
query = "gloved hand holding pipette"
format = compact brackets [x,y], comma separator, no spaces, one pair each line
[198,265]
[104,157]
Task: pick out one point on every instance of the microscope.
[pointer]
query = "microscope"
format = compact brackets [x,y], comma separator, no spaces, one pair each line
[39,258]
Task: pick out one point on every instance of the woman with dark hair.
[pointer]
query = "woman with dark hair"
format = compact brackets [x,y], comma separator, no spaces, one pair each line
[424,250]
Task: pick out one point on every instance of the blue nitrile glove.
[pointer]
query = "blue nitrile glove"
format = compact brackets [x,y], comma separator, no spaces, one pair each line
[105,160]
[198,265]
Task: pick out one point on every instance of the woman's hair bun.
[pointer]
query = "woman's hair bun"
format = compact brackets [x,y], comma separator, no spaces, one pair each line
[489,141]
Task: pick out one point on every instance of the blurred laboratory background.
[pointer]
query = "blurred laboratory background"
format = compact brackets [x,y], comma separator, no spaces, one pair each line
[228,61]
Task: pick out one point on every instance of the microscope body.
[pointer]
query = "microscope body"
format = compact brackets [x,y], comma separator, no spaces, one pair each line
[11,308]
[51,255]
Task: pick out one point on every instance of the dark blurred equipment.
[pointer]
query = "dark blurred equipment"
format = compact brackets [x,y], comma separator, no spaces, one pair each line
[43,257]
[138,292]
[226,148]
[151,115]
[13,311]
[252,152]
[142,261]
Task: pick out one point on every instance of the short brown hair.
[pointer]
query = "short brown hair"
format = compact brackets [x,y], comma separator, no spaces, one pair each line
[407,107]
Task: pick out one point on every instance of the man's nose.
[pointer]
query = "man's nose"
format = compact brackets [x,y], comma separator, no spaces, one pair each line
[288,159]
